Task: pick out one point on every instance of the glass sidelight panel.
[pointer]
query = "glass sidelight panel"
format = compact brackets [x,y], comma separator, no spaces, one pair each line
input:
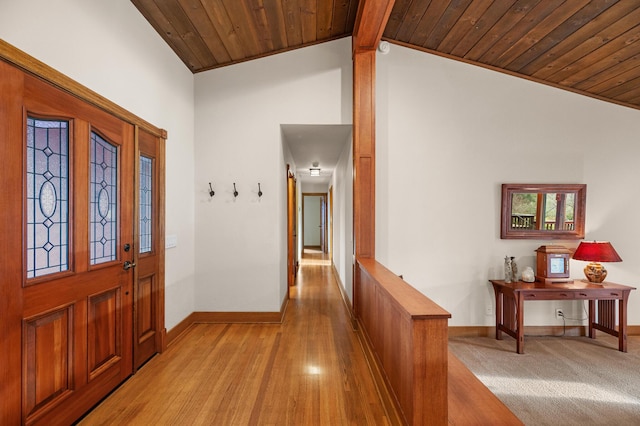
[47,196]
[104,200]
[146,211]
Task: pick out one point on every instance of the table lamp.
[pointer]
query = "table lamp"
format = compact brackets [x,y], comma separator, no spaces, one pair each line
[595,252]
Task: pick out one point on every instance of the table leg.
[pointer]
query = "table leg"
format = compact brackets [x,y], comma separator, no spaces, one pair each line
[520,322]
[499,301]
[622,321]
[592,318]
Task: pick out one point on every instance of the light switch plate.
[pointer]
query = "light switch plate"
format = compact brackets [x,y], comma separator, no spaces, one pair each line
[170,241]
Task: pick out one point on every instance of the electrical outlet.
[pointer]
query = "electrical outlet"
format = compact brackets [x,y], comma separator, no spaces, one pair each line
[559,313]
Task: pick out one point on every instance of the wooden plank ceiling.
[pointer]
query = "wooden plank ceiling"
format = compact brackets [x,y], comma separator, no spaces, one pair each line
[586,46]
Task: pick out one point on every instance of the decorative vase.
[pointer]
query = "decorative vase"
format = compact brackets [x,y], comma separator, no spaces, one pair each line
[595,272]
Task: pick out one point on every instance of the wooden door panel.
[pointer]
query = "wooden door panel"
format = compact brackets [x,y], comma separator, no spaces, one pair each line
[48,354]
[145,307]
[146,316]
[104,335]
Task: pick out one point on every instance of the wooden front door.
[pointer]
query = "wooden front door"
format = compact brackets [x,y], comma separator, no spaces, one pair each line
[67,231]
[148,291]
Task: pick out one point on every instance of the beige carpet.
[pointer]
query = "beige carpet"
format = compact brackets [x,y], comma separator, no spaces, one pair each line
[559,380]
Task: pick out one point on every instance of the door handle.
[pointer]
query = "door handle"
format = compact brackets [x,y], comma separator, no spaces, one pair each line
[128,265]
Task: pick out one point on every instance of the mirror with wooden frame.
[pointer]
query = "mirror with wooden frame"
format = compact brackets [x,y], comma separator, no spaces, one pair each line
[543,211]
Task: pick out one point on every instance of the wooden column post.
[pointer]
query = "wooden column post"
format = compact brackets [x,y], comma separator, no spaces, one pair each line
[364,154]
[370,22]
[364,162]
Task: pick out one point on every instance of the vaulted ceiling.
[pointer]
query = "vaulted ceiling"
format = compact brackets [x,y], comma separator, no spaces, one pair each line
[586,46]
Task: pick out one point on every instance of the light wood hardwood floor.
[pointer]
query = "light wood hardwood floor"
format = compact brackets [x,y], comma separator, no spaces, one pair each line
[310,370]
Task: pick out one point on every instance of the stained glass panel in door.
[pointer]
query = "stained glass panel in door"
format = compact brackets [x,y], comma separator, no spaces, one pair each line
[146,211]
[47,196]
[104,200]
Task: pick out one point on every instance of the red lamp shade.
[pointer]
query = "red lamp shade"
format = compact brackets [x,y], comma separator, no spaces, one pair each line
[594,252]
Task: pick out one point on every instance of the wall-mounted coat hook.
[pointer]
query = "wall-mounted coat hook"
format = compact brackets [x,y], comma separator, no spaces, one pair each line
[211,192]
[259,190]
[235,191]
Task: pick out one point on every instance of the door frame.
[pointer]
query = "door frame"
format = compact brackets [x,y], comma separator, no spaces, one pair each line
[323,218]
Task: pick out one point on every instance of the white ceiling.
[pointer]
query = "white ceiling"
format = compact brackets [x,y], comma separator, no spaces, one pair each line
[309,143]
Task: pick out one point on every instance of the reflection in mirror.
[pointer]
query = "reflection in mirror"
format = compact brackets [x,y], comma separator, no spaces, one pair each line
[543,211]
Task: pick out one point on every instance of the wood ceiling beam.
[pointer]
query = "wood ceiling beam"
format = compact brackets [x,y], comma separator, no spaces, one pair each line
[371,21]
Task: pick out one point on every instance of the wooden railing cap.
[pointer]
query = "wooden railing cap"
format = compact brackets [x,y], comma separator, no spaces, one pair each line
[408,298]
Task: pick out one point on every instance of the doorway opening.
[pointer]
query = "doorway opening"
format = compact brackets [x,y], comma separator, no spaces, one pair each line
[314,222]
[319,163]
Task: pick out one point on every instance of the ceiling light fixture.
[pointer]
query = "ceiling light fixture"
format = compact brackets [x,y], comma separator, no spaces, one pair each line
[314,172]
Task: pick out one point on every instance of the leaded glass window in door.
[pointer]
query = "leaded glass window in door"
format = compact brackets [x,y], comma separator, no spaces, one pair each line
[146,211]
[47,196]
[103,227]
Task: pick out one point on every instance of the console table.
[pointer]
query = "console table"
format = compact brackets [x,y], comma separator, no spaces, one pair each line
[510,299]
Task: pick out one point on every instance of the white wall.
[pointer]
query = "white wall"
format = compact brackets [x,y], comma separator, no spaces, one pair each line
[342,183]
[241,244]
[308,187]
[109,47]
[449,134]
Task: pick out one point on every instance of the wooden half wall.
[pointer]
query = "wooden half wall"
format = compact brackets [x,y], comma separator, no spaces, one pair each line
[407,333]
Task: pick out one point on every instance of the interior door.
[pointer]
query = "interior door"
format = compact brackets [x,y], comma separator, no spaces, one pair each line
[149,249]
[291,228]
[66,226]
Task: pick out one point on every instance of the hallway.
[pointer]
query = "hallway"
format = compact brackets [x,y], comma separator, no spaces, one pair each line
[309,370]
